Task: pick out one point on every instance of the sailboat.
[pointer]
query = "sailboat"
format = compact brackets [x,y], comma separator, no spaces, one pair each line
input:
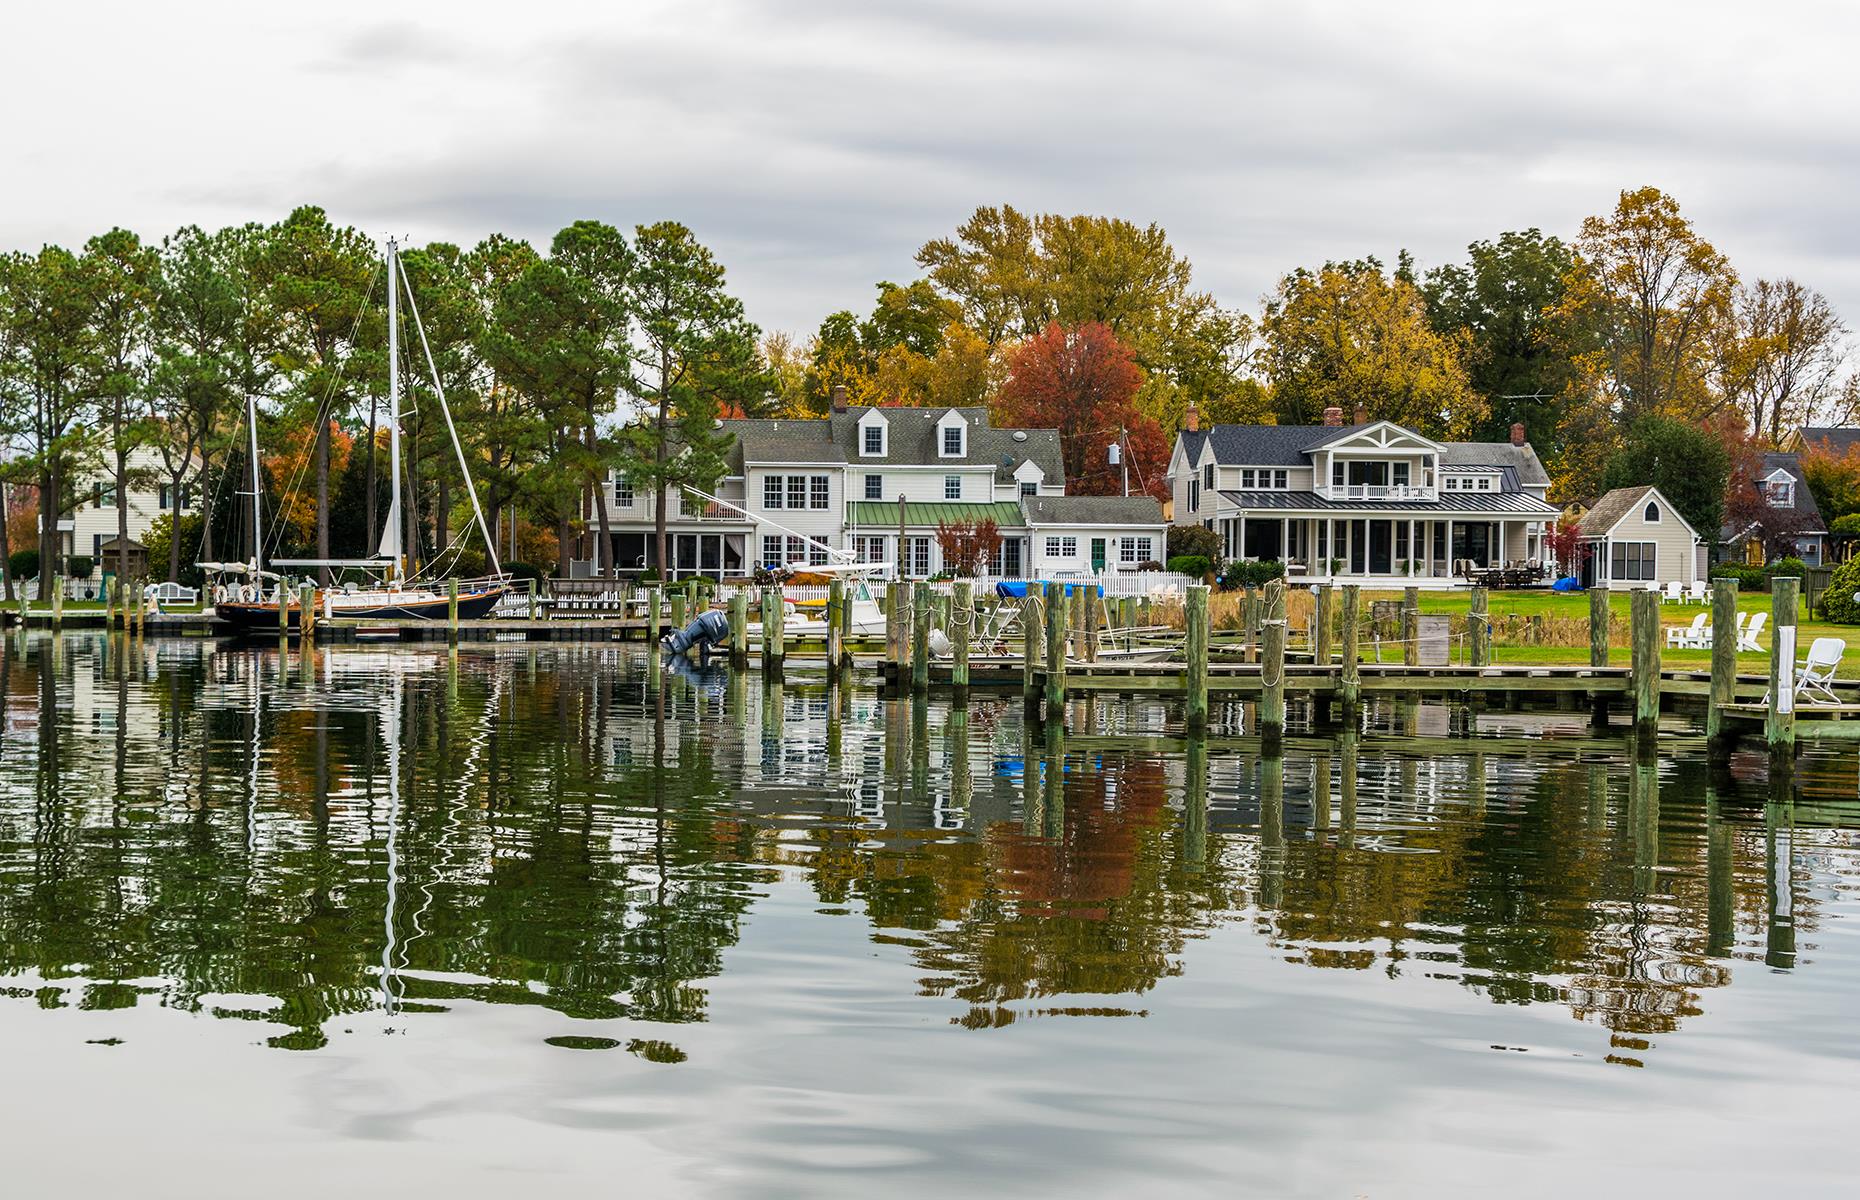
[248,595]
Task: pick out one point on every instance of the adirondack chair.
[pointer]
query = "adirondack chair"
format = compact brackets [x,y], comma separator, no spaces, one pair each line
[1747,636]
[1672,594]
[1698,593]
[1681,636]
[1813,677]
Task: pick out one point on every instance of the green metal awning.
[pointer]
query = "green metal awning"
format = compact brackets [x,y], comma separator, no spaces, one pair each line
[882,514]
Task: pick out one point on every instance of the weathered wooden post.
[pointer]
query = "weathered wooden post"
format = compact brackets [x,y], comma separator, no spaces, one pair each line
[1723,659]
[1645,634]
[1779,724]
[1197,622]
[534,584]
[693,606]
[1410,627]
[1195,804]
[774,631]
[1321,621]
[1479,629]
[962,610]
[1090,630]
[112,596]
[284,609]
[452,609]
[58,600]
[1128,617]
[836,643]
[652,615]
[306,612]
[1032,641]
[1537,629]
[897,631]
[1149,611]
[1075,622]
[1055,607]
[1272,668]
[920,636]
[679,615]
[1350,680]
[739,629]
[1249,623]
[1598,626]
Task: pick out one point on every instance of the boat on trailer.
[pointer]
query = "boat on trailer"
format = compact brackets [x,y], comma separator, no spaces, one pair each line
[252,598]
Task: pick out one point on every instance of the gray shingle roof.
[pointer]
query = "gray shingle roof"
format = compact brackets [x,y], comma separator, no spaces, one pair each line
[1092,510]
[1291,446]
[1608,511]
[911,440]
[1805,517]
[1839,438]
[1521,459]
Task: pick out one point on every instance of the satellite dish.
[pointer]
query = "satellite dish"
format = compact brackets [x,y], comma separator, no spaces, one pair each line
[1020,435]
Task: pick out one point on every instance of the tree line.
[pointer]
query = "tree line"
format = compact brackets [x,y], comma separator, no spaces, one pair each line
[1632,346]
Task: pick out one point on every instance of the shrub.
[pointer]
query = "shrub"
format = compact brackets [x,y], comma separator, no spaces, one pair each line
[523,570]
[1749,579]
[1787,565]
[1195,566]
[1837,603]
[79,566]
[23,564]
[1183,540]
[1242,573]
[1150,565]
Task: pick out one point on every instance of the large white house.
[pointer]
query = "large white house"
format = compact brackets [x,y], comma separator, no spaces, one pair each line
[877,483]
[1373,502]
[90,529]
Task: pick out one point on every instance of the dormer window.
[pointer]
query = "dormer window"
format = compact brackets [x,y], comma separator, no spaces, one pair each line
[1779,489]
[952,436]
[872,435]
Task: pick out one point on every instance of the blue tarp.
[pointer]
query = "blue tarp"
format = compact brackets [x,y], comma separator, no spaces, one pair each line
[1017,589]
[1569,583]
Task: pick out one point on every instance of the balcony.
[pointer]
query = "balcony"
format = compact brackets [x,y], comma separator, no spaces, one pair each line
[1380,491]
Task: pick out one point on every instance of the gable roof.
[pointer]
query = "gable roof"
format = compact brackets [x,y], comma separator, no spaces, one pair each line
[910,440]
[1292,445]
[1092,510]
[1804,518]
[1840,438]
[1616,506]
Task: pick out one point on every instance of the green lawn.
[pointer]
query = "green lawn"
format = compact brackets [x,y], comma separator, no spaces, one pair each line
[1573,607]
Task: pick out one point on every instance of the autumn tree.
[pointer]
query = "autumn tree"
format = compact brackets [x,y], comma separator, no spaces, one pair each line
[1833,478]
[1779,359]
[968,545]
[1690,464]
[1350,335]
[497,411]
[1658,295]
[1083,382]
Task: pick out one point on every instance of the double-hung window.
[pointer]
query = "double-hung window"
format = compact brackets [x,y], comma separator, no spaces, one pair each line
[874,487]
[1194,495]
[1634,560]
[817,492]
[1029,488]
[1062,547]
[952,441]
[771,551]
[872,439]
[797,491]
[623,492]
[772,491]
[1133,550]
[952,487]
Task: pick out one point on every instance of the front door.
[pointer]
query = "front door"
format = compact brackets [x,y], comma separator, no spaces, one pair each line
[1381,547]
[1010,558]
[1097,554]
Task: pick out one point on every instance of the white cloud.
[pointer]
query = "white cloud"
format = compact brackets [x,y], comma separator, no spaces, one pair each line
[816,146]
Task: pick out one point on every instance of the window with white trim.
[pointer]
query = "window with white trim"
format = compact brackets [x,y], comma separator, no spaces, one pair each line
[623,492]
[874,487]
[872,438]
[772,491]
[1207,476]
[817,553]
[1062,547]
[952,487]
[918,564]
[1633,560]
[869,549]
[1779,489]
[819,492]
[771,551]
[1029,488]
[1134,549]
[952,441]
[1194,495]
[1651,514]
[797,491]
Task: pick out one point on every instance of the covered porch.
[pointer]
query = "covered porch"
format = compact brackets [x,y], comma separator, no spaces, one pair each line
[1414,550]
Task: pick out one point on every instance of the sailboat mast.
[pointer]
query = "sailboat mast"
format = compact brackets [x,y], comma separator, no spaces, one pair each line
[393,366]
[258,533]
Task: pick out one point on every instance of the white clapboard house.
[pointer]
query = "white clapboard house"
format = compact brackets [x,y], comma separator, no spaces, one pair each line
[1372,502]
[877,483]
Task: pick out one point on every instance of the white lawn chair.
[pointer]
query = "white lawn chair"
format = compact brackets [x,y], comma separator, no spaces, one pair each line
[1678,636]
[1747,636]
[1813,677]
[1672,595]
[1698,593]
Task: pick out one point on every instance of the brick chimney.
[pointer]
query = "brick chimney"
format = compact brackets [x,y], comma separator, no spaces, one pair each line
[1362,415]
[1191,421]
[839,397]
[1333,416]
[1517,433]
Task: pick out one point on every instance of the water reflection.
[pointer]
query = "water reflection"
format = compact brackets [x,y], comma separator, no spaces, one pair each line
[289,838]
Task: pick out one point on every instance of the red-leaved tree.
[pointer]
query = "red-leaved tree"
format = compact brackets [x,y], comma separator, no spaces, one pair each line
[967,545]
[1083,382]
[1564,542]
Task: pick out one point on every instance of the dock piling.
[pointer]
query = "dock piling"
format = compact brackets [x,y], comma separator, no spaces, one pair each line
[1410,627]
[1033,639]
[921,608]
[836,642]
[1272,668]
[679,615]
[306,613]
[1197,623]
[1645,634]
[652,615]
[774,631]
[452,609]
[739,629]
[1055,665]
[1090,630]
[1320,633]
[1350,680]
[1779,722]
[1723,659]
[962,612]
[1479,629]
[1598,626]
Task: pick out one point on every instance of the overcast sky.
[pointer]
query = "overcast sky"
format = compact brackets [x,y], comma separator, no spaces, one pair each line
[816,146]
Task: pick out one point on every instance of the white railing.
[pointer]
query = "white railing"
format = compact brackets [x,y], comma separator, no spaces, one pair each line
[1380,491]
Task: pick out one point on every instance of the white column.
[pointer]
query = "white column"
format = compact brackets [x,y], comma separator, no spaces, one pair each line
[1330,543]
[1503,558]
[1285,538]
[1449,547]
[1414,556]
[1240,550]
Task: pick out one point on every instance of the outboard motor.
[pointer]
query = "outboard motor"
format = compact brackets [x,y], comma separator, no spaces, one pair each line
[707,629]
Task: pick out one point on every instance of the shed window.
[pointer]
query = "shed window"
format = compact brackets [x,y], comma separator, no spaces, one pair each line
[1652,514]
[1633,560]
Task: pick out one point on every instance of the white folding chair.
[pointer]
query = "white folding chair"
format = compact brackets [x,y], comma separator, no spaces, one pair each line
[1813,677]
[1747,637]
[1678,636]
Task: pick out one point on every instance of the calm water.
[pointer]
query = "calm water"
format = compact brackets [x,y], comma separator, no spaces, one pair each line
[382,920]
